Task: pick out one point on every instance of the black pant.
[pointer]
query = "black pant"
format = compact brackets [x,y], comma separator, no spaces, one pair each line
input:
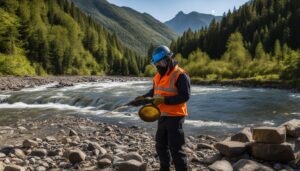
[170,139]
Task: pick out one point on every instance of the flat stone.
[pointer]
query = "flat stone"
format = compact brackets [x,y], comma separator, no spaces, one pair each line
[249,165]
[273,152]
[244,135]
[14,168]
[222,165]
[76,156]
[132,165]
[270,135]
[204,146]
[231,148]
[40,168]
[292,128]
[30,143]
[133,156]
[39,152]
[103,163]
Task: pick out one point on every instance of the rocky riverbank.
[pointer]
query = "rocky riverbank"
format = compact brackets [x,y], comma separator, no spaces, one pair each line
[251,83]
[71,143]
[77,143]
[17,83]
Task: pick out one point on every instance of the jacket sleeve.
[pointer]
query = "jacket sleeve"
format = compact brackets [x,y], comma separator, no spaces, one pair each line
[150,93]
[184,91]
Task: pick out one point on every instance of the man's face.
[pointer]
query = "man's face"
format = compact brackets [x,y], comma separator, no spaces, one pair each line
[162,63]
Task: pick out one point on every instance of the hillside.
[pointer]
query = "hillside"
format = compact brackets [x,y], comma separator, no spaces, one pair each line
[135,30]
[194,20]
[54,37]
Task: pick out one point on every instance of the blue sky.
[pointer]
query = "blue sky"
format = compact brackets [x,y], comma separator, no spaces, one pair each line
[164,10]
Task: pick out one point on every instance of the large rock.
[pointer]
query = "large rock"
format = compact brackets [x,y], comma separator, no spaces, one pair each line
[270,135]
[273,152]
[249,165]
[292,128]
[76,156]
[231,148]
[13,168]
[30,143]
[222,165]
[132,165]
[244,135]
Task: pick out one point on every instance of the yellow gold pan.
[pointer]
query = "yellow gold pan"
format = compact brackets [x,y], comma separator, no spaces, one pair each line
[149,113]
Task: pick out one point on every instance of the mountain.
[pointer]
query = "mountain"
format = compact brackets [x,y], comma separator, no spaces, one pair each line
[135,30]
[54,37]
[194,20]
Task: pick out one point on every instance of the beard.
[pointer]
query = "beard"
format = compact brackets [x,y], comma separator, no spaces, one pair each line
[162,70]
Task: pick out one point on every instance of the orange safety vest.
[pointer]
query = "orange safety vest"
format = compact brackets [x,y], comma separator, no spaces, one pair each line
[165,86]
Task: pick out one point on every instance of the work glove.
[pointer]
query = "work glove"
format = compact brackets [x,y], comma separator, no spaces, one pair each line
[138,98]
[157,100]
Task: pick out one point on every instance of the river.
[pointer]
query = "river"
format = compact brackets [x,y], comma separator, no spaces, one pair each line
[213,110]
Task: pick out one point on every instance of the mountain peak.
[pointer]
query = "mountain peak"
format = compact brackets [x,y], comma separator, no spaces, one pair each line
[194,20]
[180,13]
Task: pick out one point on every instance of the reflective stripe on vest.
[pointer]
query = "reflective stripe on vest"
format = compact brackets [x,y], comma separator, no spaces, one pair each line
[165,86]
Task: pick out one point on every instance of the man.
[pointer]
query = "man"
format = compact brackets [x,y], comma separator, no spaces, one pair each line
[171,91]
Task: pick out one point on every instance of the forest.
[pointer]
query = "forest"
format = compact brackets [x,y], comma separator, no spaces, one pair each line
[260,40]
[53,37]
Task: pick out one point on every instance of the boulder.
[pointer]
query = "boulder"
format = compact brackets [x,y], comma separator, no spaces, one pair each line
[292,128]
[273,152]
[222,165]
[30,143]
[231,148]
[269,135]
[249,165]
[132,165]
[244,135]
[76,156]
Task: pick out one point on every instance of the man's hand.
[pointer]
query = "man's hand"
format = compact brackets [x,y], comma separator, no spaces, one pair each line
[139,98]
[158,100]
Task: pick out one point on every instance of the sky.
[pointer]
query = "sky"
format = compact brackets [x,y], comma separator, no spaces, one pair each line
[165,10]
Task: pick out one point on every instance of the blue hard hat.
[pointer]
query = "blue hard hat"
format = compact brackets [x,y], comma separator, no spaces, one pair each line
[160,53]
